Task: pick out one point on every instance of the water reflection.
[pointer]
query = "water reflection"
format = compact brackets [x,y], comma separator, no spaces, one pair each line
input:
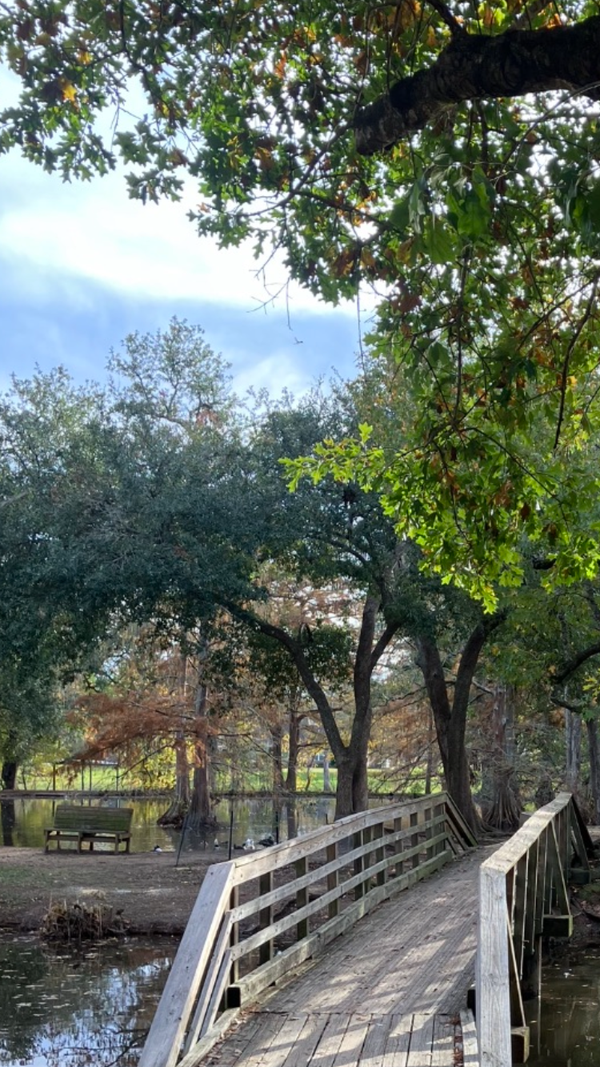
[567,1033]
[67,1009]
[24,820]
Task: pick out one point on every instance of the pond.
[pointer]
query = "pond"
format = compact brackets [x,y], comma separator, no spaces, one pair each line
[66,1008]
[565,1031]
[23,821]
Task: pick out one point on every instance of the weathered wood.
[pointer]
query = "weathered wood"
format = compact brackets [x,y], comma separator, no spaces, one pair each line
[463,831]
[469,1039]
[209,984]
[86,825]
[279,926]
[289,851]
[333,866]
[303,907]
[322,863]
[265,916]
[175,1007]
[398,1042]
[442,1049]
[421,1041]
[493,995]
[202,1047]
[526,878]
[332,880]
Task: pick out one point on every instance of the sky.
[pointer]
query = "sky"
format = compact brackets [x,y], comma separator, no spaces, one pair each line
[82,265]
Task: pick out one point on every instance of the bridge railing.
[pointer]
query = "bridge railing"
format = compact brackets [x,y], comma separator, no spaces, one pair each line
[264,913]
[522,897]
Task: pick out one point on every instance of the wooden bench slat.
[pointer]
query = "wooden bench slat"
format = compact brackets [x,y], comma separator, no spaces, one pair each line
[74,822]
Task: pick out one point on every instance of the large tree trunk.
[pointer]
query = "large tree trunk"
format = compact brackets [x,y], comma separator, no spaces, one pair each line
[501,807]
[573,750]
[594,754]
[177,810]
[276,759]
[352,792]
[291,778]
[8,819]
[351,760]
[451,718]
[200,813]
[326,774]
[9,774]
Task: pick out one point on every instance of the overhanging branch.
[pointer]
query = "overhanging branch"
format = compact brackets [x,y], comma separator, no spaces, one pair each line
[477,67]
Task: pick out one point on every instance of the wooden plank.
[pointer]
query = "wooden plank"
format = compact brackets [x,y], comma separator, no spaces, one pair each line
[288,921]
[562,896]
[421,1041]
[204,1046]
[462,829]
[331,1040]
[529,928]
[360,843]
[263,1045]
[332,880]
[509,853]
[307,1041]
[442,1049]
[284,892]
[378,835]
[181,990]
[581,849]
[581,829]
[254,864]
[265,915]
[281,1050]
[519,910]
[208,984]
[252,984]
[303,906]
[398,1042]
[217,997]
[352,1041]
[373,1048]
[469,1040]
[493,998]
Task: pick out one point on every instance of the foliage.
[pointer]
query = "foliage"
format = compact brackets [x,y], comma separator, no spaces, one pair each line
[477,228]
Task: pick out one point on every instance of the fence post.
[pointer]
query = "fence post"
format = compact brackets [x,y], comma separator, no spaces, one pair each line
[493,993]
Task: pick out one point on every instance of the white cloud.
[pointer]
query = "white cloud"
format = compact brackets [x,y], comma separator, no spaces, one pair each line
[94,231]
[275,373]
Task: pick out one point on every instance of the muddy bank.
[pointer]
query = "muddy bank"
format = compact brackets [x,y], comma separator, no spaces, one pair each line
[153,895]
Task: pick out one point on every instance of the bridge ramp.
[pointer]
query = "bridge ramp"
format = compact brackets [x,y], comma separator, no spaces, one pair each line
[386,994]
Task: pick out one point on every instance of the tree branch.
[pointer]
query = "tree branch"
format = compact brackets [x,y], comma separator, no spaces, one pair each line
[577,661]
[475,67]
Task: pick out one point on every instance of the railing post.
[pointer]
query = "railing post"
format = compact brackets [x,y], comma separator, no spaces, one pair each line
[234,936]
[301,868]
[333,881]
[265,916]
[414,839]
[493,994]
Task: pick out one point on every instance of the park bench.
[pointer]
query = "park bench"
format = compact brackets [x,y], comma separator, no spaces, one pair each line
[73,822]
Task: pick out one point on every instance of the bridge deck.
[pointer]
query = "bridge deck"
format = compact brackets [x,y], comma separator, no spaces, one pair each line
[385,994]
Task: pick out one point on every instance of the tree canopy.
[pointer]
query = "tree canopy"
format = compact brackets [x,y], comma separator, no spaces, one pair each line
[396,146]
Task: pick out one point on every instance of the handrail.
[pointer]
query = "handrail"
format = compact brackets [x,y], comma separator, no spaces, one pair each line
[522,897]
[262,914]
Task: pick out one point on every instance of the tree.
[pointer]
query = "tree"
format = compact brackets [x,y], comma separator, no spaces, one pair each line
[395,146]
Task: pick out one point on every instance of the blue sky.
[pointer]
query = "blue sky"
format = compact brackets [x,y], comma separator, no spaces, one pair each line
[81,266]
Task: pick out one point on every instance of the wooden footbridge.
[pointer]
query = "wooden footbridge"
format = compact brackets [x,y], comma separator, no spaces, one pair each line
[264,979]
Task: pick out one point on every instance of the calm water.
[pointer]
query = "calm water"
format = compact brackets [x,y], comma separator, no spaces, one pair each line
[23,821]
[567,1031]
[59,1008]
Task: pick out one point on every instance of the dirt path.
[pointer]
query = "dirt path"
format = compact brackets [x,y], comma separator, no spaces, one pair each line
[153,894]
